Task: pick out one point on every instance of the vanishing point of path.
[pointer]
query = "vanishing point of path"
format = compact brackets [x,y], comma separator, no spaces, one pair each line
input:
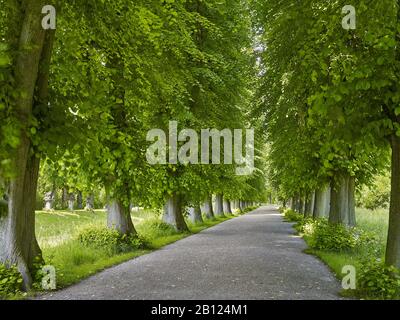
[255,256]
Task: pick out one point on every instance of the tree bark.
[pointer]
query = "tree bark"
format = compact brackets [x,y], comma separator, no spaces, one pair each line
[227,207]
[64,198]
[309,205]
[297,203]
[195,214]
[293,204]
[119,218]
[71,202]
[89,203]
[17,229]
[342,208]
[352,202]
[79,200]
[312,203]
[233,205]
[49,201]
[241,206]
[219,205]
[339,201]
[208,208]
[322,202]
[301,205]
[173,214]
[393,239]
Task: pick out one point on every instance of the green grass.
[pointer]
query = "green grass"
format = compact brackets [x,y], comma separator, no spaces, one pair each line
[58,227]
[374,222]
[57,232]
[75,262]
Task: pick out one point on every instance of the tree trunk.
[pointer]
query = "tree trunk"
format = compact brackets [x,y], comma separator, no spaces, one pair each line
[293,204]
[17,228]
[312,203]
[208,208]
[49,201]
[352,202]
[235,206]
[64,199]
[48,205]
[301,205]
[79,201]
[173,213]
[309,205]
[89,203]
[71,202]
[393,240]
[227,207]
[195,214]
[338,209]
[119,218]
[244,205]
[322,202]
[297,203]
[342,208]
[219,205]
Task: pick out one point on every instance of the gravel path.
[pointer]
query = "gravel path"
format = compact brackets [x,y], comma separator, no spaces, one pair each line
[255,256]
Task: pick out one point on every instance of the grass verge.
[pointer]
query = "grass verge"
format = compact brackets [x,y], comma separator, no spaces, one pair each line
[374,223]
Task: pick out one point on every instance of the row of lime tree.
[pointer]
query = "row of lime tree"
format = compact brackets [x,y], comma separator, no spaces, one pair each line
[80,100]
[330,100]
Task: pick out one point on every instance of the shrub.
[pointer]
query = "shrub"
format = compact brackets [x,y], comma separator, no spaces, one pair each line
[292,216]
[304,225]
[377,281]
[111,240]
[333,237]
[10,281]
[324,236]
[155,228]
